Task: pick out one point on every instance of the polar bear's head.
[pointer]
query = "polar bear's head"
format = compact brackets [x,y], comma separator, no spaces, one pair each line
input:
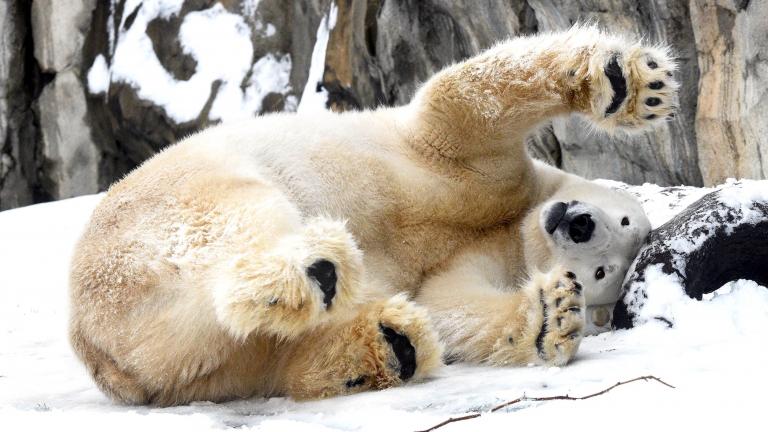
[591,230]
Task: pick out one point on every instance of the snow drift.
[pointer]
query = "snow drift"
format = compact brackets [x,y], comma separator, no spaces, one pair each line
[714,356]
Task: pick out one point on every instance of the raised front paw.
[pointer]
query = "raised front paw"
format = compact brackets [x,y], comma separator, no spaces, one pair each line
[562,318]
[548,324]
[632,86]
[553,323]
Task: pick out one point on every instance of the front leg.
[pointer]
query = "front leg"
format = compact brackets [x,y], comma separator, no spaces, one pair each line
[550,328]
[541,322]
[475,108]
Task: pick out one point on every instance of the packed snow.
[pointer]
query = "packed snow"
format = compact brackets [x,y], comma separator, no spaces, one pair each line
[220,43]
[315,97]
[715,357]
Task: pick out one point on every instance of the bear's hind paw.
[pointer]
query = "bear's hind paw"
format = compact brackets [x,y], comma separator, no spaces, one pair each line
[307,280]
[390,342]
[412,346]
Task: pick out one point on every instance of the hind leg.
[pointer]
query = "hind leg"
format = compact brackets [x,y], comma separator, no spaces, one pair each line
[387,343]
[116,383]
[159,318]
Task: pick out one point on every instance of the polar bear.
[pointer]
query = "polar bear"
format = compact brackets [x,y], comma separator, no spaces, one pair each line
[282,255]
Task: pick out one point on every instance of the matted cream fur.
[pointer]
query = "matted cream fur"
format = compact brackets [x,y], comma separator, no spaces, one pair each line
[191,281]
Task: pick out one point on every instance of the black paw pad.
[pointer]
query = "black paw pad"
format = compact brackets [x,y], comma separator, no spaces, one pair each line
[652,101]
[656,85]
[355,382]
[618,84]
[570,275]
[324,272]
[577,288]
[544,328]
[404,351]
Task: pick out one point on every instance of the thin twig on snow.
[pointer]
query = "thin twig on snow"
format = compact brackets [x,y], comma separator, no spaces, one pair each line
[545,398]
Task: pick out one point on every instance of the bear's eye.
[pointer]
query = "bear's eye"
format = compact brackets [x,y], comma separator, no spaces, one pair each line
[624,221]
[600,273]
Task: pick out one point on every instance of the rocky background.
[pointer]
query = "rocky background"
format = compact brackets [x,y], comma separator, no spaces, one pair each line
[91,88]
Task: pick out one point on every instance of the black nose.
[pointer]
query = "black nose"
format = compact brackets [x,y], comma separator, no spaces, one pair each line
[581,228]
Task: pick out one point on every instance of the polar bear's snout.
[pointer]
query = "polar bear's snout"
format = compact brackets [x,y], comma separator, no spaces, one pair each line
[593,231]
[576,222]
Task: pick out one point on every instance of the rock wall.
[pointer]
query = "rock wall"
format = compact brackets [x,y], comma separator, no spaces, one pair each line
[91,88]
[59,28]
[18,171]
[667,155]
[731,118]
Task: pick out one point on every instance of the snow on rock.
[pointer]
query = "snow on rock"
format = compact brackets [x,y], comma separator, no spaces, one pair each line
[713,356]
[98,76]
[219,42]
[661,203]
[315,97]
[250,7]
[719,238]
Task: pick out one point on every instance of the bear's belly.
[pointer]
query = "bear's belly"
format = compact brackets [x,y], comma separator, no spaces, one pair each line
[402,258]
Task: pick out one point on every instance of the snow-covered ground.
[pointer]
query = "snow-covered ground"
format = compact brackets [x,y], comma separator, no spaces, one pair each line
[715,356]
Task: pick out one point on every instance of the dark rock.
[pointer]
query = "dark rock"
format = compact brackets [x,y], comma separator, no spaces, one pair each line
[20,176]
[380,51]
[713,241]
